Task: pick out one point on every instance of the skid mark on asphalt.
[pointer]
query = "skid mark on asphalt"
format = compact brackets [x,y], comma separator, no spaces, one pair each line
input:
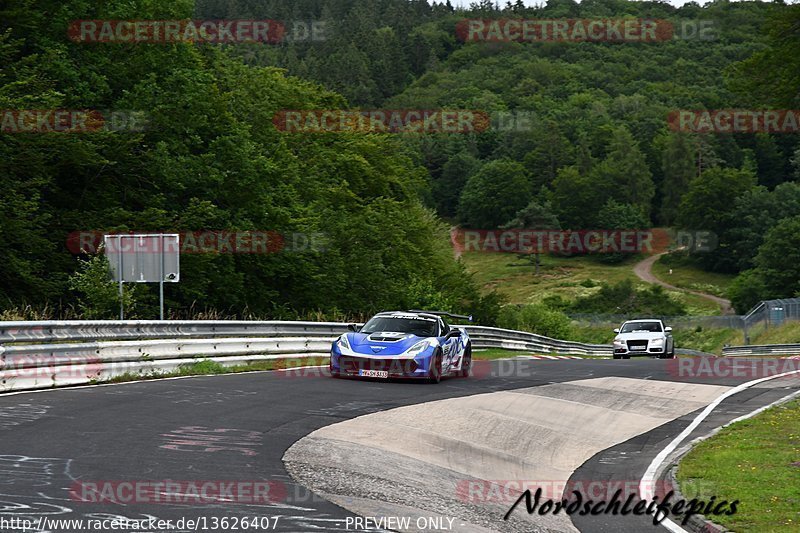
[208,440]
[12,416]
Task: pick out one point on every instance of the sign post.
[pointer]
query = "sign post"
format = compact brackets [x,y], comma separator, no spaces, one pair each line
[152,258]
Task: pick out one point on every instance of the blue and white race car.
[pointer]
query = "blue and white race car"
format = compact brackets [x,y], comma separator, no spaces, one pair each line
[403,344]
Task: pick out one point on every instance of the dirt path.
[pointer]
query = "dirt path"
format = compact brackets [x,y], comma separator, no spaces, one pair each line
[644,271]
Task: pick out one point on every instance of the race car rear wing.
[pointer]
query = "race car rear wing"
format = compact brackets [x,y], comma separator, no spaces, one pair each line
[442,313]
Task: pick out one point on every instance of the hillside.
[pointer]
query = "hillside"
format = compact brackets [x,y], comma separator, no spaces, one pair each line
[580,139]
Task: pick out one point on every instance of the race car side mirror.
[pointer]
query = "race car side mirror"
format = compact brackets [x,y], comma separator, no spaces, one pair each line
[352,327]
[453,334]
[616,330]
[668,329]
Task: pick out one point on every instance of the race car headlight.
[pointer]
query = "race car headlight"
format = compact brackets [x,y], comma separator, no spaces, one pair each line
[343,342]
[657,342]
[418,348]
[618,343]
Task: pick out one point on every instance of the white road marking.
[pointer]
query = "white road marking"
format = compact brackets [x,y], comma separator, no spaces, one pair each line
[646,483]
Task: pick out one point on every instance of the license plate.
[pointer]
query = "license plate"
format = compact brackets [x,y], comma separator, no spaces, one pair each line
[638,348]
[373,373]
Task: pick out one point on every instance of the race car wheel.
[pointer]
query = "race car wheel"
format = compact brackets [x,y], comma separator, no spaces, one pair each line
[334,373]
[466,365]
[435,372]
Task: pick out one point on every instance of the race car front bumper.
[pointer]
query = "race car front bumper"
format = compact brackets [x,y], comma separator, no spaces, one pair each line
[394,367]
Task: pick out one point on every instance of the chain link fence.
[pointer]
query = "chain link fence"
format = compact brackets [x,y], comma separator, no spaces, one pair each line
[613,321]
[767,314]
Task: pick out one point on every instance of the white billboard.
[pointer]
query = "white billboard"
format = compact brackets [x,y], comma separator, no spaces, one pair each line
[144,258]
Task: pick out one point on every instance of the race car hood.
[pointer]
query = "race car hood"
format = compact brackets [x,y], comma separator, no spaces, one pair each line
[640,335]
[382,343]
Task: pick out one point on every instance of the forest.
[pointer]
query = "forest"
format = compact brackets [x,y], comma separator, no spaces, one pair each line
[595,149]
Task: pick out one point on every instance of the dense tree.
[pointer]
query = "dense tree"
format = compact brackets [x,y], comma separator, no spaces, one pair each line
[758,210]
[552,150]
[778,259]
[536,215]
[772,75]
[455,173]
[710,205]
[211,158]
[747,289]
[625,171]
[677,164]
[576,197]
[494,194]
[615,215]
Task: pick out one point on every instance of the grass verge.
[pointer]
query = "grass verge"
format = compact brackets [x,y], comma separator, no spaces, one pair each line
[687,275]
[757,462]
[709,340]
[206,367]
[787,333]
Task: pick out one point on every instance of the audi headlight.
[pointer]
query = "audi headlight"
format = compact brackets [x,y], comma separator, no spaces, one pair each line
[418,348]
[343,342]
[657,342]
[619,343]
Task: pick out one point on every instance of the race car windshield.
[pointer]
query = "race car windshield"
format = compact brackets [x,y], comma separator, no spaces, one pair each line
[651,327]
[420,328]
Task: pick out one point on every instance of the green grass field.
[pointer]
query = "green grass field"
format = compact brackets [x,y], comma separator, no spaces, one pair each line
[568,277]
[755,461]
[517,279]
[710,340]
[687,275]
[787,333]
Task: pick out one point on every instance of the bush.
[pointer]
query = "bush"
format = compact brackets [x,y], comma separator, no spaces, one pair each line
[98,295]
[536,318]
[624,299]
[747,290]
[486,309]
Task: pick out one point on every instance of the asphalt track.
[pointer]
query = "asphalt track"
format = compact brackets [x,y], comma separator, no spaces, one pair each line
[238,428]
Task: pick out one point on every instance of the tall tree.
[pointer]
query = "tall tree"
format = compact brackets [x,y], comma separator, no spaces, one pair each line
[455,173]
[677,163]
[494,194]
[710,205]
[537,215]
[625,170]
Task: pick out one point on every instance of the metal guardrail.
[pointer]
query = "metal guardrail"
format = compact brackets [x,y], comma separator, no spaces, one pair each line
[485,337]
[35,355]
[767,349]
[74,331]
